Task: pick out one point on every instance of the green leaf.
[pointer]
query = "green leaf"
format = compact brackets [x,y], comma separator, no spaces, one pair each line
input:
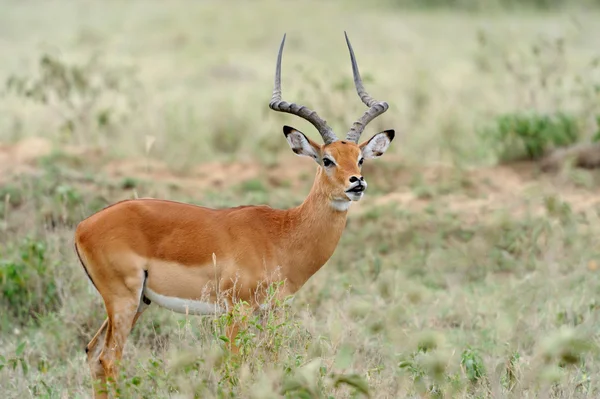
[20,348]
[356,381]
[405,364]
[223,338]
[24,366]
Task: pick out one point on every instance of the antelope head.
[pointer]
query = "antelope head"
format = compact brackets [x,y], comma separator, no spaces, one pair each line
[340,161]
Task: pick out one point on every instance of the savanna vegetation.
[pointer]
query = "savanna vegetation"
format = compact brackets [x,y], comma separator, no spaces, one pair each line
[469,270]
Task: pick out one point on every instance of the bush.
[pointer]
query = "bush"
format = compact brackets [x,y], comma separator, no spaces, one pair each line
[532,135]
[26,282]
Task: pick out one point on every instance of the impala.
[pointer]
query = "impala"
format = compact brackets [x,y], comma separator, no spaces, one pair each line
[201,261]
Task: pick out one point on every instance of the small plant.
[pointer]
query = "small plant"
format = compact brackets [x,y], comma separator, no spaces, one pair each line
[510,377]
[530,135]
[472,364]
[426,365]
[26,283]
[17,360]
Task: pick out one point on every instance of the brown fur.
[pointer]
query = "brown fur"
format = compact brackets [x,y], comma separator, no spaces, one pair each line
[173,244]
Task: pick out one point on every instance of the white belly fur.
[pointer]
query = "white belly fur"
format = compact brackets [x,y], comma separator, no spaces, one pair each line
[185,306]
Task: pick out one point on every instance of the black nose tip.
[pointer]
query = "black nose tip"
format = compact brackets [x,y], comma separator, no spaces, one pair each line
[354,179]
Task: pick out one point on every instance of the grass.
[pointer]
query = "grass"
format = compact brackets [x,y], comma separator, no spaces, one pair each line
[457,275]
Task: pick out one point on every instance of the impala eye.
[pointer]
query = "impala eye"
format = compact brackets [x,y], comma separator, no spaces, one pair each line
[361,161]
[327,162]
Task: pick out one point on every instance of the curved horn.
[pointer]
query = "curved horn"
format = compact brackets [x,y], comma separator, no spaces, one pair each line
[376,107]
[277,104]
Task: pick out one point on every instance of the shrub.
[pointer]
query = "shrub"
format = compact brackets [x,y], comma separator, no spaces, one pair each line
[530,135]
[26,282]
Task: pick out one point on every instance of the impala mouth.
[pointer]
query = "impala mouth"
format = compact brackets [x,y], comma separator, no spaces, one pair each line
[356,192]
[357,189]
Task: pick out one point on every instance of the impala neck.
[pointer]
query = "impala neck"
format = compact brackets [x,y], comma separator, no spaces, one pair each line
[313,233]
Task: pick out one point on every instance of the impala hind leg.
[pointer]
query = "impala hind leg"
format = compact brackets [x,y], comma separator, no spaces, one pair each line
[94,349]
[124,306]
[122,316]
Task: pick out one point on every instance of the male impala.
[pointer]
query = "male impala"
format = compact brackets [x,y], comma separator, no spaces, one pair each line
[197,260]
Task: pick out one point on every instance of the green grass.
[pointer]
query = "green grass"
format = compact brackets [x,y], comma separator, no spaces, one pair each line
[455,277]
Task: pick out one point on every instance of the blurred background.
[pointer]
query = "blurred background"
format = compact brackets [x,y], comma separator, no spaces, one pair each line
[468,270]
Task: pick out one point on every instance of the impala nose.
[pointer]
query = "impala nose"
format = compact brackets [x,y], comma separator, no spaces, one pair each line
[357,184]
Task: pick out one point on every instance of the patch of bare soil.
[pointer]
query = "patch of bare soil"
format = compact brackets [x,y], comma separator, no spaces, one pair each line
[211,175]
[23,156]
[517,188]
[19,158]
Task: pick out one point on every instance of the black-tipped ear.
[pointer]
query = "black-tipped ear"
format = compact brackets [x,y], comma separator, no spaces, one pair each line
[288,129]
[391,133]
[300,144]
[377,145]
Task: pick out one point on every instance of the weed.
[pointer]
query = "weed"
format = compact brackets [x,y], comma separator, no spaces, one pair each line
[531,136]
[14,361]
[28,288]
[472,364]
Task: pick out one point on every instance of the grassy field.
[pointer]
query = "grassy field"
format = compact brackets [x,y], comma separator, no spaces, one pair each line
[465,272]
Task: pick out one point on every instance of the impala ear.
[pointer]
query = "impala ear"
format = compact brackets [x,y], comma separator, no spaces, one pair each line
[301,144]
[378,144]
